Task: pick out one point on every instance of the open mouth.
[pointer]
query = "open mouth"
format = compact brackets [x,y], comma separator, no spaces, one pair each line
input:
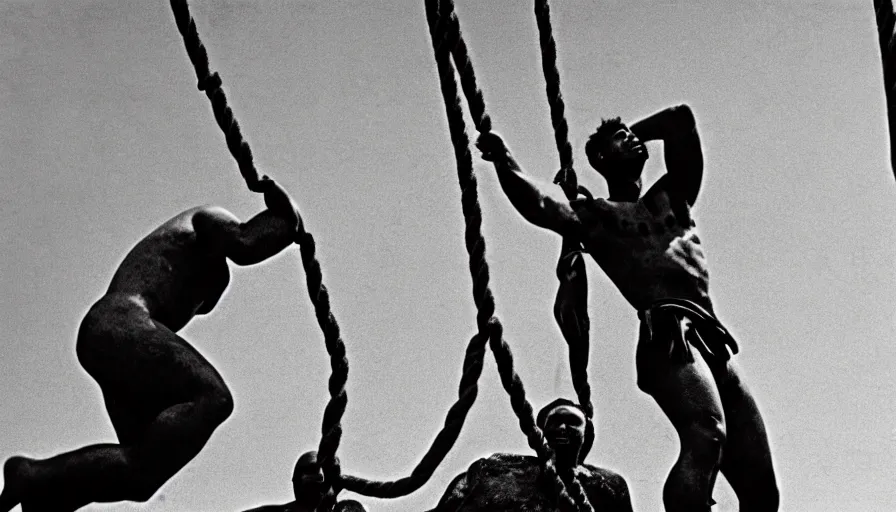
[561,439]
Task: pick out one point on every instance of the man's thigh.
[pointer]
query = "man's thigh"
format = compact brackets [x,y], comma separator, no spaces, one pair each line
[746,457]
[685,390]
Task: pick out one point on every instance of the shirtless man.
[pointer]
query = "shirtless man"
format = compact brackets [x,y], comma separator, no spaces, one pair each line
[164,399]
[516,482]
[307,487]
[649,249]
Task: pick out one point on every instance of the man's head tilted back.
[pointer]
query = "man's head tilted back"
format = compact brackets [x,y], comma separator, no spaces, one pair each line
[615,152]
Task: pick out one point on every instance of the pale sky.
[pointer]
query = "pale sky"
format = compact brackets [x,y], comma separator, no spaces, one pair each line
[104,136]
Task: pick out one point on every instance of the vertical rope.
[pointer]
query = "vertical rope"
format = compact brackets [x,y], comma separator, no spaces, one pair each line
[210,82]
[447,39]
[331,425]
[886,22]
[579,368]
[579,372]
[552,81]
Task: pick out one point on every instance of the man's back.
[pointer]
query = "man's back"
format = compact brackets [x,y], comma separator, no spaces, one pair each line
[172,271]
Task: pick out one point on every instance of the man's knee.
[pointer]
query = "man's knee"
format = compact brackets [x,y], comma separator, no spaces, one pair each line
[144,489]
[220,404]
[146,478]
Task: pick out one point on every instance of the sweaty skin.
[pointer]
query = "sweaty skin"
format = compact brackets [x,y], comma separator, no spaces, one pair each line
[163,397]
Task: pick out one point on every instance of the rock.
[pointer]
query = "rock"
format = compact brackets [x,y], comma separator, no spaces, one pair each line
[505,482]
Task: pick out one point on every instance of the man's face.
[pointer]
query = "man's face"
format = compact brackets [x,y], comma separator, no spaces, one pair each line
[564,429]
[624,155]
[308,477]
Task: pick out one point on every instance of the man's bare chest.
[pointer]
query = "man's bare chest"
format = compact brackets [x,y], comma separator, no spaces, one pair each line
[625,229]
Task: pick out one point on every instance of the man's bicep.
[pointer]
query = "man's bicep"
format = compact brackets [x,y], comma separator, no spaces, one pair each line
[561,217]
[684,155]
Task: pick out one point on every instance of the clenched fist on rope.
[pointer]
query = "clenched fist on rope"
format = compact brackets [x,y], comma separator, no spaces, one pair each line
[163,397]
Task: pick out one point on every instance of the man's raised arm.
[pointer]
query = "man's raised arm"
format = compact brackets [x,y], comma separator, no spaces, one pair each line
[540,204]
[677,128]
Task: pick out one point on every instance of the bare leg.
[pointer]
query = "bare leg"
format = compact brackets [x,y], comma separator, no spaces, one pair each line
[165,401]
[571,314]
[746,459]
[687,394]
[112,472]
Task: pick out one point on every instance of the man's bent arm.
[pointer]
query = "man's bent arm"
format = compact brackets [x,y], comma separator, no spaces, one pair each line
[536,202]
[248,243]
[677,128]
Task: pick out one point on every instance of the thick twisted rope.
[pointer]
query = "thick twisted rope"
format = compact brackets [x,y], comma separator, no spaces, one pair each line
[564,148]
[210,82]
[886,23]
[447,38]
[552,81]
[444,441]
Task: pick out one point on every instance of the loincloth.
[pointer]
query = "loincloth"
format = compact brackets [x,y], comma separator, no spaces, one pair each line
[671,329]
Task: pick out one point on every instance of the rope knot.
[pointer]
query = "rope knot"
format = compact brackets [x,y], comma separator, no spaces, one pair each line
[210,82]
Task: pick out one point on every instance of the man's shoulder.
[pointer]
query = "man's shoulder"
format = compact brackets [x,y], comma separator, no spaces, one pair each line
[597,472]
[503,464]
[606,488]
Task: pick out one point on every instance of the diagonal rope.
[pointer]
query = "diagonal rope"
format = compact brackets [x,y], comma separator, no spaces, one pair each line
[441,16]
[578,371]
[210,82]
[886,21]
[444,441]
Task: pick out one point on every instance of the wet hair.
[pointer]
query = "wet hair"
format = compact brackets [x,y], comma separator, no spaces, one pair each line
[587,442]
[599,140]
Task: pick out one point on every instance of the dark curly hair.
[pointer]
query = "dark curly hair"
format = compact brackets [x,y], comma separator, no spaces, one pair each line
[598,140]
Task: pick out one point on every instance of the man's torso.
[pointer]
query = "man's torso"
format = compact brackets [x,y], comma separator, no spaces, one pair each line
[649,248]
[172,272]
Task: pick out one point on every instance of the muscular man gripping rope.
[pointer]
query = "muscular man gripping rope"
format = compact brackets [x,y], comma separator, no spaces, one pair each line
[163,397]
[649,248]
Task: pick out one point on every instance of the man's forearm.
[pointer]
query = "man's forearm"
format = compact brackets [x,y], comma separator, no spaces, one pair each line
[665,124]
[531,198]
[677,128]
[262,237]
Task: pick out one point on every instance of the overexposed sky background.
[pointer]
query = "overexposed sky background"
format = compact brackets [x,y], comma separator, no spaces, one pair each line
[104,136]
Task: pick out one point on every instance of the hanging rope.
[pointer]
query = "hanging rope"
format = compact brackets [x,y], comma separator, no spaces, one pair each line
[444,441]
[886,23]
[451,41]
[579,369]
[552,80]
[210,82]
